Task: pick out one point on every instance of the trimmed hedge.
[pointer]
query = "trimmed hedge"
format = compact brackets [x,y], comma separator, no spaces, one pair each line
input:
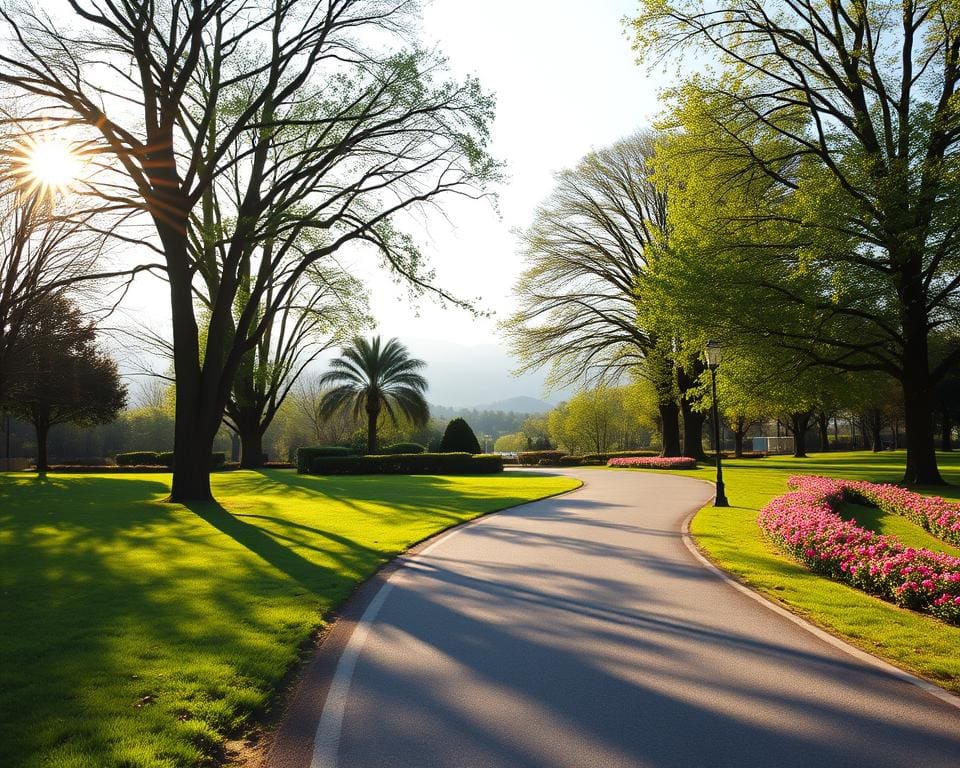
[305,456]
[535,457]
[391,450]
[162,459]
[138,458]
[408,464]
[86,469]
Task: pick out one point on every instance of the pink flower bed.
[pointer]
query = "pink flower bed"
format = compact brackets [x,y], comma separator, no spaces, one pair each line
[804,523]
[654,462]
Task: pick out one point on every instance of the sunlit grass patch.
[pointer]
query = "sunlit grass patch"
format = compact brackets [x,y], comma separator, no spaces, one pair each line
[732,539]
[140,633]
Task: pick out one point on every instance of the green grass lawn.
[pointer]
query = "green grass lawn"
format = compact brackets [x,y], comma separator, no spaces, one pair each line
[731,538]
[139,633]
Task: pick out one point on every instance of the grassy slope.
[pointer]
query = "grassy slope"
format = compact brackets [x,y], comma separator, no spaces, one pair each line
[138,633]
[731,538]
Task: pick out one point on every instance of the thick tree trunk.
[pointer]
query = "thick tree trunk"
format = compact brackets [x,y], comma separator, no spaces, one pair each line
[669,428]
[946,432]
[43,430]
[738,436]
[921,452]
[823,427]
[917,396]
[799,423]
[198,407]
[692,420]
[250,431]
[692,431]
[251,448]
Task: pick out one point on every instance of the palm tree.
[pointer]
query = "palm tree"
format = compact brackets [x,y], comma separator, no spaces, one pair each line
[371,378]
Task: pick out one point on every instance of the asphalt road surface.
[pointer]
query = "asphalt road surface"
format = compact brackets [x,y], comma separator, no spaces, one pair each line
[580,632]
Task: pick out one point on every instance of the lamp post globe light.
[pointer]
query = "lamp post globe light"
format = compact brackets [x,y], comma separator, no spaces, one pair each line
[712,354]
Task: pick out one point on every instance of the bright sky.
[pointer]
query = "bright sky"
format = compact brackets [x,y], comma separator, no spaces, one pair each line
[566,82]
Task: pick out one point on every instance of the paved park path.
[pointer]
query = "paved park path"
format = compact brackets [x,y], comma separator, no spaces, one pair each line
[581,632]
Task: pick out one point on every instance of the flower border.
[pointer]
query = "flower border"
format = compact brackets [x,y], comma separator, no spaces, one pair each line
[805,523]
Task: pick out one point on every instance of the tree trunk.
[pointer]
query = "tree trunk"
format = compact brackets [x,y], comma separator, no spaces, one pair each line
[251,448]
[799,422]
[946,432]
[43,430]
[669,428]
[823,427]
[197,412]
[692,431]
[917,396]
[373,414]
[873,423]
[921,452]
[738,435]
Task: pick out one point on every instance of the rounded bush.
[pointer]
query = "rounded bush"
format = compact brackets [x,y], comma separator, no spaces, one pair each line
[459,437]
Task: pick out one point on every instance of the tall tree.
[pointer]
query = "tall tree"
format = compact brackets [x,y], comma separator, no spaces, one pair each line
[46,243]
[319,113]
[849,111]
[325,311]
[588,245]
[62,377]
[372,379]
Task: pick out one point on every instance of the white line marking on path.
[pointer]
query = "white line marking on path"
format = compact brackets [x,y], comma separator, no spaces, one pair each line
[326,744]
[934,690]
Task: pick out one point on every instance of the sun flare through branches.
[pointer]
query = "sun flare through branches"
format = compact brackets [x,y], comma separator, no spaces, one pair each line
[48,165]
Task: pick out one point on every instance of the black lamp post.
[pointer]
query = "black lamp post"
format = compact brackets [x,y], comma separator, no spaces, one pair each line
[712,354]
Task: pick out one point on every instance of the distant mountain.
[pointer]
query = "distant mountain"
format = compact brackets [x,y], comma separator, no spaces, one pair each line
[466,376]
[520,404]
[462,376]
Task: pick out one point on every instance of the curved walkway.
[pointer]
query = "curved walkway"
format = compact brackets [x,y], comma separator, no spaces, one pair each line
[579,631]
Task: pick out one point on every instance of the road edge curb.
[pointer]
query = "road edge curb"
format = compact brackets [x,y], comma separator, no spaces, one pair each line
[925,685]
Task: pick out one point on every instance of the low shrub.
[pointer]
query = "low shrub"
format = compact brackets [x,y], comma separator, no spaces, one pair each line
[138,458]
[578,461]
[804,522]
[391,450]
[87,461]
[305,456]
[86,469]
[535,457]
[653,462]
[408,464]
[603,458]
[279,465]
[162,459]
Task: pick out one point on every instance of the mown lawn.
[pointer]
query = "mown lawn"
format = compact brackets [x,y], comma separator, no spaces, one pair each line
[731,538]
[140,633]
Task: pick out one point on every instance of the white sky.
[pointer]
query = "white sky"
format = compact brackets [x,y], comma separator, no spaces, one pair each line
[565,80]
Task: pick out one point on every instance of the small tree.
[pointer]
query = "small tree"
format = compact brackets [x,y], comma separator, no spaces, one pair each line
[372,379]
[60,376]
[459,437]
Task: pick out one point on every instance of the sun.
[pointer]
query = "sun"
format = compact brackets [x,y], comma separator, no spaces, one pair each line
[50,164]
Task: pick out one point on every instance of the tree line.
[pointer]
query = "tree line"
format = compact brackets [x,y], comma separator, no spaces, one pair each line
[246,146]
[797,201]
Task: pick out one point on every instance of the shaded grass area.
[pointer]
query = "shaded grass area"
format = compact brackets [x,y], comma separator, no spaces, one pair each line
[732,539]
[139,633]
